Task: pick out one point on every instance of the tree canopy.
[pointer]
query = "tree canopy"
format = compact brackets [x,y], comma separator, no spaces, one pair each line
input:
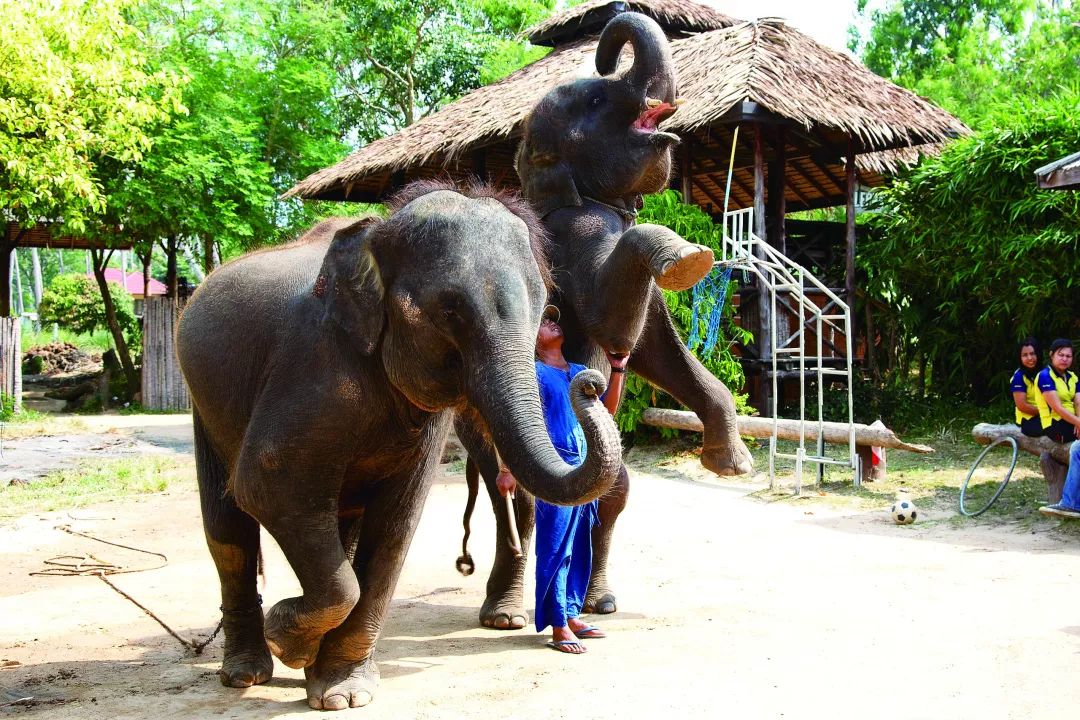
[75,89]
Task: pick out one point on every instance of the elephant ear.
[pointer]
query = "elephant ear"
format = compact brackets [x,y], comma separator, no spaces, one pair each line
[349,282]
[547,180]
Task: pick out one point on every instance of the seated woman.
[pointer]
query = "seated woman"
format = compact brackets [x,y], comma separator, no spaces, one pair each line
[1025,392]
[1057,399]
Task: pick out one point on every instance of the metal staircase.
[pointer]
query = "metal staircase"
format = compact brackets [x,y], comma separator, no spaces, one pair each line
[804,352]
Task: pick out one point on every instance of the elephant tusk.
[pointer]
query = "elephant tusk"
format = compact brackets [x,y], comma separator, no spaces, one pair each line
[653,102]
[515,538]
[678,101]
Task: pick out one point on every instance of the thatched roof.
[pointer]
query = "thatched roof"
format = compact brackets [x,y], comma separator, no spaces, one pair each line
[589,18]
[1063,174]
[763,71]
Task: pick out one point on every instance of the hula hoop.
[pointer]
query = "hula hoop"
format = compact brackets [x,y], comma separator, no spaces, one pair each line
[1004,481]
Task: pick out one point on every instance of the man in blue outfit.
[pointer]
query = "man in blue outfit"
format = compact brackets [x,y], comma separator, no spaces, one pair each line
[563,534]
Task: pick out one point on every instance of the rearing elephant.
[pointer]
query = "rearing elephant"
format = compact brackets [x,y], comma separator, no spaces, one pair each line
[324,374]
[590,150]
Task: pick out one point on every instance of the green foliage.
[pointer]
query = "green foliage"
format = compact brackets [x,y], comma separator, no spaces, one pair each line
[410,57]
[74,92]
[972,56]
[7,407]
[970,255]
[693,224]
[74,302]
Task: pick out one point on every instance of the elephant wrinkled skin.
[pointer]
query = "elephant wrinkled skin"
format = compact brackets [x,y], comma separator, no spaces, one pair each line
[324,375]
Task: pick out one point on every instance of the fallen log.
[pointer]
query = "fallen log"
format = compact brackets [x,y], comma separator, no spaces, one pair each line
[985,433]
[760,427]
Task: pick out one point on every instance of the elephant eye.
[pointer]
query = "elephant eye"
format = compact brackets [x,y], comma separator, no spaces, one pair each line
[596,101]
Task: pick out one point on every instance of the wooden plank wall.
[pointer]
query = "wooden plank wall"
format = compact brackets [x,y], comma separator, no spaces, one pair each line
[11,360]
[163,387]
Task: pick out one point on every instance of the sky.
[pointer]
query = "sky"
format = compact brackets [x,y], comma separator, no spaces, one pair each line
[824,20]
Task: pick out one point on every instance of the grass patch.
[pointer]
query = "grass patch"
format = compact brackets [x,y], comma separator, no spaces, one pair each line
[933,481]
[95,482]
[31,423]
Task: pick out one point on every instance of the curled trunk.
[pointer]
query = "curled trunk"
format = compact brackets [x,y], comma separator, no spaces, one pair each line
[653,71]
[506,394]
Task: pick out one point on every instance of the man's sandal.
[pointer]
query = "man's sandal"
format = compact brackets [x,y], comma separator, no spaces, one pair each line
[589,633]
[564,646]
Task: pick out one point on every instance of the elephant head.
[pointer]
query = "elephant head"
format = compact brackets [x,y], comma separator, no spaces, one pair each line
[447,294]
[598,137]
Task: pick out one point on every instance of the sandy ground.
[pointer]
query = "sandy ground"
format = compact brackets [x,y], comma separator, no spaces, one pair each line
[729,607]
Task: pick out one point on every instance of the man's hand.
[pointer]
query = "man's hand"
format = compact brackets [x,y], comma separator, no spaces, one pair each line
[506,483]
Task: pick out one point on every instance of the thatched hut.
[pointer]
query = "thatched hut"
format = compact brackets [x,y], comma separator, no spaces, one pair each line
[814,126]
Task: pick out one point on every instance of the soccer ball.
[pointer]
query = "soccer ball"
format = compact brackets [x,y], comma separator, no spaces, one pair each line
[904,512]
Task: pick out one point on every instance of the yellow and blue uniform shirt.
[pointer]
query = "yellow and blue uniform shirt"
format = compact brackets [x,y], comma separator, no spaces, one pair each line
[1022,383]
[1065,386]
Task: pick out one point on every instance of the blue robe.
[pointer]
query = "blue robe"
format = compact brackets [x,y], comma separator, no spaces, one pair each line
[563,534]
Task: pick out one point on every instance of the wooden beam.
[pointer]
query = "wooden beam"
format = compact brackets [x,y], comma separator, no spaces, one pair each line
[802,198]
[817,186]
[841,186]
[849,271]
[716,201]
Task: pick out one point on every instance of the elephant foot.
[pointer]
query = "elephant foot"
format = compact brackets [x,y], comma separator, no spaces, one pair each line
[602,602]
[503,612]
[728,459]
[339,686]
[247,659]
[294,645]
[691,263]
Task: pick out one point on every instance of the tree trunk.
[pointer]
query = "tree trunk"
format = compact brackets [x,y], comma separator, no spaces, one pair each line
[18,283]
[985,433]
[170,268]
[35,259]
[6,252]
[101,260]
[60,260]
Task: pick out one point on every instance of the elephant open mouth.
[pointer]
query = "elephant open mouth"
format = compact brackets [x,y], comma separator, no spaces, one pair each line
[655,113]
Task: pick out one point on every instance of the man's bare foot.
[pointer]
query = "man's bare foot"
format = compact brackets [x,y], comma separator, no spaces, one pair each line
[563,640]
[583,630]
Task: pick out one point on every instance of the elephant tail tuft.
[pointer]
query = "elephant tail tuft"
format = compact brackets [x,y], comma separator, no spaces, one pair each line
[465,564]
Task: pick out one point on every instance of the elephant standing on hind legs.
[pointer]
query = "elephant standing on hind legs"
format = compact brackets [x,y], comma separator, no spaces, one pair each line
[324,375]
[590,150]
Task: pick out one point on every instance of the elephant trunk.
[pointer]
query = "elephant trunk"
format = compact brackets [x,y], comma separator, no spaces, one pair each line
[503,389]
[653,71]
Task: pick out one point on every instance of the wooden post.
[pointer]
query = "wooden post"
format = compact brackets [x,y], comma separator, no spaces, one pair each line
[163,386]
[765,319]
[777,201]
[687,177]
[5,280]
[11,360]
[849,271]
[479,164]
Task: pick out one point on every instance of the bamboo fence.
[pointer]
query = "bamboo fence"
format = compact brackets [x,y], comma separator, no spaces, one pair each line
[11,360]
[163,386]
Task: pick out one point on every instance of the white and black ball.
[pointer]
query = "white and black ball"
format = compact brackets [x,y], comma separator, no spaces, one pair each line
[904,512]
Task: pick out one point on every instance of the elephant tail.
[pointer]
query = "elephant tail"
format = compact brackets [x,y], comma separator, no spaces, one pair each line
[465,564]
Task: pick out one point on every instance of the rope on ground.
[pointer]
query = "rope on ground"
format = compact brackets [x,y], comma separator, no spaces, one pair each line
[90,565]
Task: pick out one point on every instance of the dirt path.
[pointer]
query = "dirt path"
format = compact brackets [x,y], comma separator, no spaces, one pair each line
[730,608]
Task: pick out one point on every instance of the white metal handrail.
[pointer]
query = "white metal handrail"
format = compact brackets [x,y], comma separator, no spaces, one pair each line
[779,274]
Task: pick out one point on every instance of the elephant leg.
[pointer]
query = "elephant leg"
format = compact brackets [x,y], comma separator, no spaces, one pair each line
[306,529]
[600,598]
[233,539]
[504,606]
[661,358]
[345,673]
[611,306]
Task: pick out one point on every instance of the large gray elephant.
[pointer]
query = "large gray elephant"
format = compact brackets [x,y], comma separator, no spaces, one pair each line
[590,150]
[324,375]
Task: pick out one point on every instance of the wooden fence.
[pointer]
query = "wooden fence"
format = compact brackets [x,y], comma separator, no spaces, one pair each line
[163,387]
[11,360]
